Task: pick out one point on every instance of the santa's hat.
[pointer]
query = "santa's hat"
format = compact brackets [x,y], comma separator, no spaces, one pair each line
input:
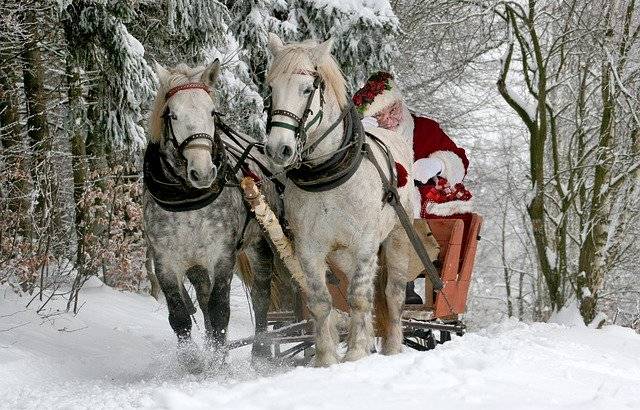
[442,199]
[379,92]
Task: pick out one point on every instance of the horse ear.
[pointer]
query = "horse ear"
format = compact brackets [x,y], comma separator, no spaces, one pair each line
[322,51]
[162,73]
[275,44]
[210,74]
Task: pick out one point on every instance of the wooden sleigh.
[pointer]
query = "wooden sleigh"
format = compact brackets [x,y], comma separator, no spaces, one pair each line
[291,331]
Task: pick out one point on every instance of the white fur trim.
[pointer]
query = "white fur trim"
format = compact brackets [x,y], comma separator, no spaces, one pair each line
[426,168]
[449,208]
[406,125]
[368,122]
[453,167]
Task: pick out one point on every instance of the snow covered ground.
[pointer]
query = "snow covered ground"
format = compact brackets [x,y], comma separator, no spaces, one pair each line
[118,352]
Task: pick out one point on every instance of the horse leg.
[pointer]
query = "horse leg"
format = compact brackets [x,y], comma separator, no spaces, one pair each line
[153,280]
[320,304]
[261,258]
[219,309]
[179,317]
[397,249]
[360,298]
[199,278]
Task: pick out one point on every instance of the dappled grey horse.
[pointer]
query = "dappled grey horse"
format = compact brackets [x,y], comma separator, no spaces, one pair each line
[196,225]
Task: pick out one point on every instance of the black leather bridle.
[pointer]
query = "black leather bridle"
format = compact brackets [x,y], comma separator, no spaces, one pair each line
[301,127]
[327,171]
[168,116]
[167,186]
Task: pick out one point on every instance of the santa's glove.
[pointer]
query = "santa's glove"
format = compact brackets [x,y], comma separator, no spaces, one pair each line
[426,168]
[369,122]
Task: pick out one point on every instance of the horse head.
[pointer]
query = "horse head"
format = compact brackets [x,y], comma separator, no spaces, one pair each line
[183,121]
[306,84]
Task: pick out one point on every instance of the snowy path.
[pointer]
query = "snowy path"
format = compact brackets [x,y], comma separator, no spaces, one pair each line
[118,353]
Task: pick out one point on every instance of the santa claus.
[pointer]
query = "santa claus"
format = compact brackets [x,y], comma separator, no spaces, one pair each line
[439,164]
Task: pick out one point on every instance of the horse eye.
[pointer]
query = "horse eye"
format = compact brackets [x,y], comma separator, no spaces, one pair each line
[173,116]
[307,90]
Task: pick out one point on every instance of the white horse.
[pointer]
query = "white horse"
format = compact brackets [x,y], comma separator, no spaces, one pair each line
[347,224]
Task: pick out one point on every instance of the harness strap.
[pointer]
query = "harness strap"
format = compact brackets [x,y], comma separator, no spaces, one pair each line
[391,196]
[314,145]
[317,118]
[234,136]
[285,125]
[170,190]
[338,169]
[247,220]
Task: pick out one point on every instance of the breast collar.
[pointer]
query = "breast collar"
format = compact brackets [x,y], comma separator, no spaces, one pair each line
[341,166]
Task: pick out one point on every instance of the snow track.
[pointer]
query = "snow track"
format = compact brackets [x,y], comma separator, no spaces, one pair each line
[118,352]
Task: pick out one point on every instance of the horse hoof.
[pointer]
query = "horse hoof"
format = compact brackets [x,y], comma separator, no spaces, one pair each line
[389,351]
[355,354]
[190,357]
[325,360]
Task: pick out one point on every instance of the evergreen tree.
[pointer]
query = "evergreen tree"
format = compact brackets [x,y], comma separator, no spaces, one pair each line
[363,31]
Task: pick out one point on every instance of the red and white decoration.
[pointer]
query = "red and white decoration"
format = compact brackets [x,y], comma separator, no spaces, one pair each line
[440,165]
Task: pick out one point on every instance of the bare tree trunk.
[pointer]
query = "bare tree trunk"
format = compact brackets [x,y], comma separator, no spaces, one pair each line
[16,160]
[521,296]
[9,115]
[96,145]
[76,128]
[33,78]
[538,130]
[592,262]
[505,267]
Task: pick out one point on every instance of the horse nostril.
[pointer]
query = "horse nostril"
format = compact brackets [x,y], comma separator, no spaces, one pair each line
[285,151]
[193,174]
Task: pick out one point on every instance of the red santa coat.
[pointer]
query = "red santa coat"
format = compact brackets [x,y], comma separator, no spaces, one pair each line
[429,139]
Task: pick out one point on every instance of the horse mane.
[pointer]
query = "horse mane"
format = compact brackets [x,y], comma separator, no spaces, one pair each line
[291,58]
[179,74]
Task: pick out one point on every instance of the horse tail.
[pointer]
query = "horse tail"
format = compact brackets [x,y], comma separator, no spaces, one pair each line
[278,279]
[381,307]
[244,270]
